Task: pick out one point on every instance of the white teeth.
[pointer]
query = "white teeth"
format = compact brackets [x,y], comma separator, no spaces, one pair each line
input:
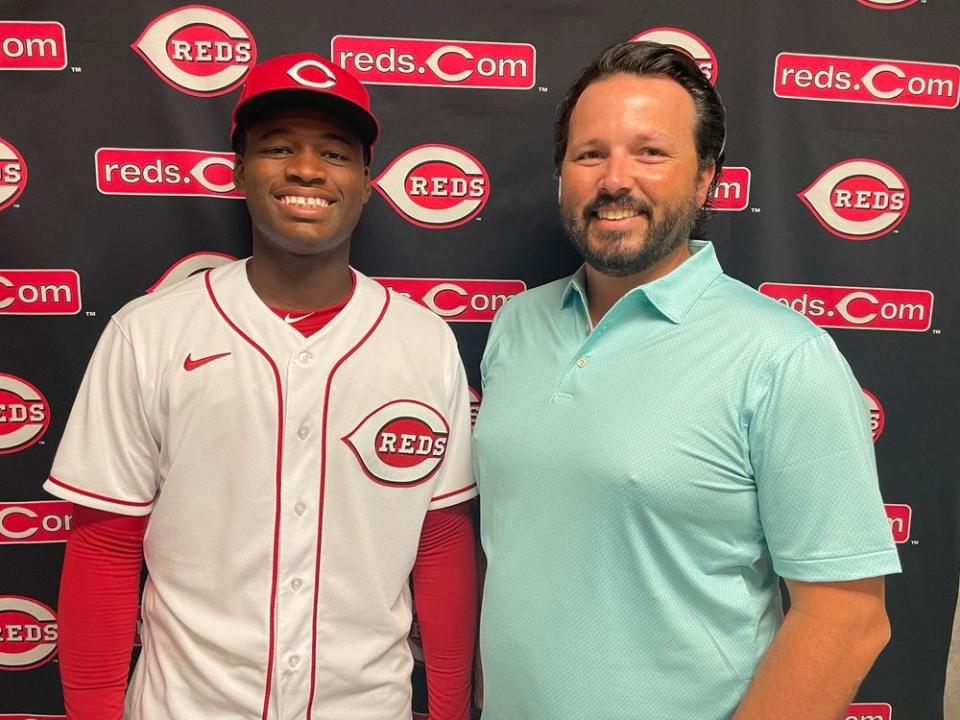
[302,201]
[615,214]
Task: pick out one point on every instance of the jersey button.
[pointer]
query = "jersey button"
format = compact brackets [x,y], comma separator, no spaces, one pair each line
[305,358]
[296,584]
[303,432]
[293,661]
[299,508]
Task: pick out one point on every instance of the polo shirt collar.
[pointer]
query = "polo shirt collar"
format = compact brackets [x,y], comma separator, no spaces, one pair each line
[671,295]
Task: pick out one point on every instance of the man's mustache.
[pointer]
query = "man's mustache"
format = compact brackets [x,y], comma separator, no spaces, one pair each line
[622,201]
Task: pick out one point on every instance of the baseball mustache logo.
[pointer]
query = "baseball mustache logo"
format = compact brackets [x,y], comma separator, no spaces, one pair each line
[28,633]
[686,42]
[31,45]
[199,50]
[401,443]
[858,199]
[13,174]
[190,265]
[435,186]
[152,171]
[24,414]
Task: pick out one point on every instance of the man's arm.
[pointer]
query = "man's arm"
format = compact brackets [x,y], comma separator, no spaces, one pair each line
[820,655]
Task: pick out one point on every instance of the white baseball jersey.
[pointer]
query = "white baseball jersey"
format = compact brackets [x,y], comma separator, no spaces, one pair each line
[286,478]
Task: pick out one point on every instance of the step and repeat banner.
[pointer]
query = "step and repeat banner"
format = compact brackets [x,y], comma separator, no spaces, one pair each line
[840,201]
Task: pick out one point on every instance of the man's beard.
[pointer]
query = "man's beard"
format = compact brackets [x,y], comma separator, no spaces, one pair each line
[609,255]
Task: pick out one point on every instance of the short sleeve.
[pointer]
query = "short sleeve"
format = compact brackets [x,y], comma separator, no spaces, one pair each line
[107,458]
[455,483]
[813,459]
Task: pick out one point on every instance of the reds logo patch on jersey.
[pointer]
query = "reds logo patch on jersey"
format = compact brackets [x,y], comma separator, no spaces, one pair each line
[400,443]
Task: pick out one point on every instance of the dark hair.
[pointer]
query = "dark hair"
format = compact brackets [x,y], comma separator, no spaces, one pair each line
[650,58]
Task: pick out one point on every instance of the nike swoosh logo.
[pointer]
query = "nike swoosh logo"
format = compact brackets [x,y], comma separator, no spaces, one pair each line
[291,320]
[190,364]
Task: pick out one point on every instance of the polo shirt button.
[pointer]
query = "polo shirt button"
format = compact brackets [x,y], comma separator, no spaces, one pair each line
[582,362]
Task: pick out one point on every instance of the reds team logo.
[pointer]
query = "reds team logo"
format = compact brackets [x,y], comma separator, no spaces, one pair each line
[856,308]
[199,50]
[888,4]
[189,265]
[457,300]
[839,78]
[148,171]
[43,521]
[436,63]
[686,42]
[13,174]
[39,292]
[24,414]
[401,443]
[732,191]
[475,400]
[28,633]
[858,199]
[26,45]
[435,186]
[15,716]
[899,517]
[877,416]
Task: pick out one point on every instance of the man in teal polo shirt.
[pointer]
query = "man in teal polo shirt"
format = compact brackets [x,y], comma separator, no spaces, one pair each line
[658,443]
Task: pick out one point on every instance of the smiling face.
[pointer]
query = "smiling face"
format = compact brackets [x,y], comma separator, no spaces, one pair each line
[631,188]
[305,182]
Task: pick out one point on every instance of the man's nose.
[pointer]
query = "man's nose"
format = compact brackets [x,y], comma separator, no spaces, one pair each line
[306,166]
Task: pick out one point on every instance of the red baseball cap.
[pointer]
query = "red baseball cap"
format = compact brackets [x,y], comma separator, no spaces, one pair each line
[306,80]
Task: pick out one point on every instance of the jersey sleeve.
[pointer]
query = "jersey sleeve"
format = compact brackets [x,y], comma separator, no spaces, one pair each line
[813,460]
[455,482]
[108,457]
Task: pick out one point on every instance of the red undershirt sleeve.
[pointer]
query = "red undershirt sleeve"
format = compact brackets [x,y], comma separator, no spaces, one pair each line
[97,611]
[445,594]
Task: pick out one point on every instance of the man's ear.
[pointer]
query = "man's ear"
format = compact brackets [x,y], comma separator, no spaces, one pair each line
[367,187]
[238,171]
[704,178]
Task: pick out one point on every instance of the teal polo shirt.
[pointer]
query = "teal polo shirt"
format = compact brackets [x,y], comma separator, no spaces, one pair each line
[644,482]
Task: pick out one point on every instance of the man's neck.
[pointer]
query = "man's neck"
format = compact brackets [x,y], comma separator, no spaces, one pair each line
[603,291]
[300,282]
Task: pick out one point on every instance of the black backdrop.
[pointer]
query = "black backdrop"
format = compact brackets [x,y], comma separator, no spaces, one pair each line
[843,122]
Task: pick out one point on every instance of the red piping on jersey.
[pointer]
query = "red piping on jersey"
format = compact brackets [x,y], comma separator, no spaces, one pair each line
[323,474]
[71,488]
[453,492]
[276,518]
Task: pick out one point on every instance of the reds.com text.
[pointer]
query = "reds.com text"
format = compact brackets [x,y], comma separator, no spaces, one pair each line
[32,46]
[457,300]
[838,78]
[143,171]
[39,292]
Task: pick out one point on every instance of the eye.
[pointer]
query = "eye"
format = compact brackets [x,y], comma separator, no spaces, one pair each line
[275,150]
[652,152]
[336,156]
[587,156]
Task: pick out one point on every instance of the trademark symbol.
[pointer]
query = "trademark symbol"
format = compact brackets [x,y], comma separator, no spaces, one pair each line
[542,89]
[478,218]
[896,232]
[936,331]
[16,205]
[914,542]
[754,210]
[91,313]
[76,69]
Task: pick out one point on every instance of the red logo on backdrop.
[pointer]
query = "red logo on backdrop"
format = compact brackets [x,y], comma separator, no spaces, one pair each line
[732,191]
[28,45]
[435,186]
[147,171]
[24,414]
[190,265]
[401,443]
[837,78]
[43,521]
[13,174]
[28,633]
[436,63]
[877,416]
[686,42]
[475,399]
[16,716]
[199,50]
[887,4]
[856,308]
[858,199]
[39,292]
[899,517]
[457,300]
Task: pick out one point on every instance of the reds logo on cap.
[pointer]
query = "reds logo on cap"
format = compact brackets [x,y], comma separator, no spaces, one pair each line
[401,443]
[13,174]
[39,292]
[190,265]
[42,521]
[877,417]
[887,4]
[24,414]
[151,171]
[685,42]
[435,186]
[28,633]
[858,199]
[31,45]
[197,49]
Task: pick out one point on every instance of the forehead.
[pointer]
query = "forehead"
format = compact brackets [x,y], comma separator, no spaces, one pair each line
[640,102]
[307,121]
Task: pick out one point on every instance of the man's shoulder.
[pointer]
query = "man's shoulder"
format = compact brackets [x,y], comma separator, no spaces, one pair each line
[543,299]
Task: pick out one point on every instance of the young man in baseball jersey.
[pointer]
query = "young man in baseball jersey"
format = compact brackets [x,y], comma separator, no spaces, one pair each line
[286,443]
